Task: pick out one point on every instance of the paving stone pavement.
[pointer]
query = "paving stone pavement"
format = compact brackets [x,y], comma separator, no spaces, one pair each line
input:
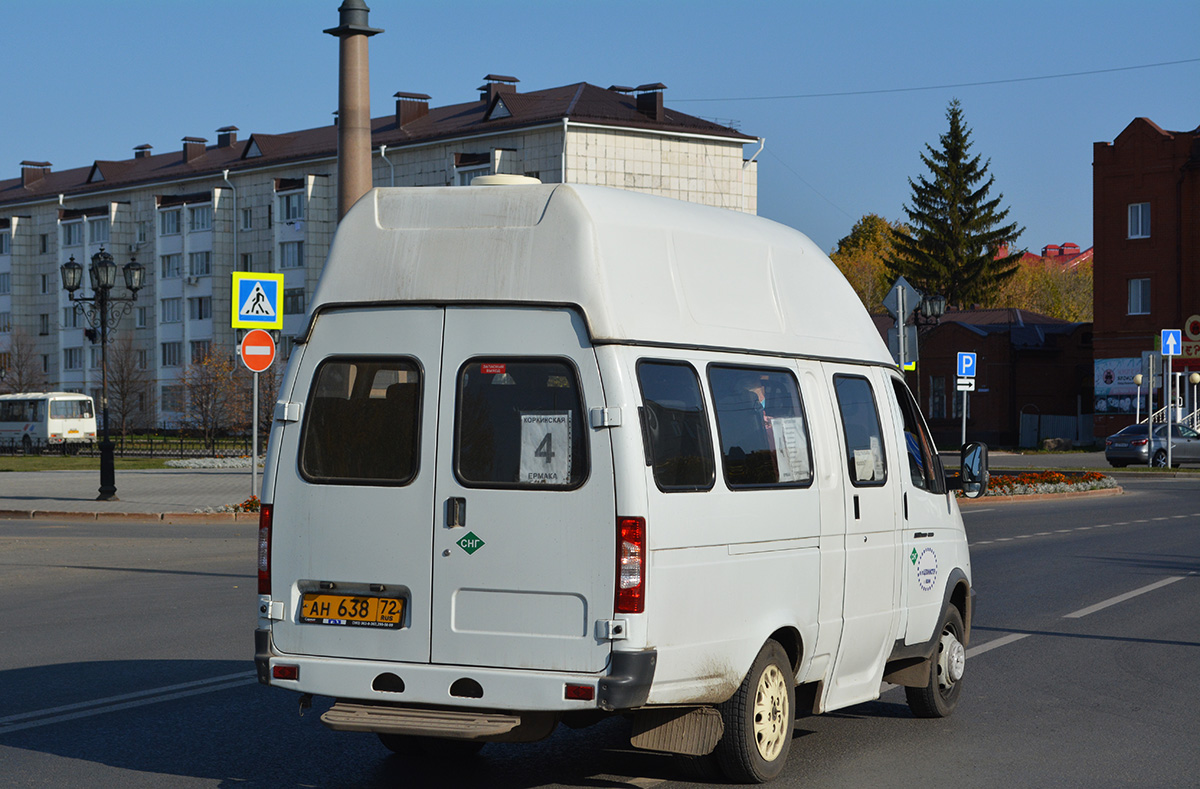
[139,491]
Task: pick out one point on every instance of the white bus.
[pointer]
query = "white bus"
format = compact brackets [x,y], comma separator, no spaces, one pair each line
[39,419]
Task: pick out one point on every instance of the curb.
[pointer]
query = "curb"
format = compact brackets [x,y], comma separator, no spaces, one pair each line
[164,517]
[1070,494]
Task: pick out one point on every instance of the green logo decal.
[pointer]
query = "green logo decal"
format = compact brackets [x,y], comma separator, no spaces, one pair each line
[471,543]
[913,556]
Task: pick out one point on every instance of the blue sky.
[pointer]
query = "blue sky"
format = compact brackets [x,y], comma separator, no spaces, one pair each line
[90,80]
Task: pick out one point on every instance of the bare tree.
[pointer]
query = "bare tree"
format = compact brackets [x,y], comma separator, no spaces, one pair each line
[23,372]
[216,399]
[130,390]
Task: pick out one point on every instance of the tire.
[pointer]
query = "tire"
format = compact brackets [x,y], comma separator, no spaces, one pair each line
[940,696]
[430,747]
[759,719]
[1160,458]
[1115,464]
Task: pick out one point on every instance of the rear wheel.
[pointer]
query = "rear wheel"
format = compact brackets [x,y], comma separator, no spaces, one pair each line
[435,747]
[939,697]
[759,719]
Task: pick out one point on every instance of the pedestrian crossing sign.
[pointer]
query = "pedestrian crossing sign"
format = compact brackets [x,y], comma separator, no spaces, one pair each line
[257,300]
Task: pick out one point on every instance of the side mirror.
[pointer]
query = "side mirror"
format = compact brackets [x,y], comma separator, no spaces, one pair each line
[973,476]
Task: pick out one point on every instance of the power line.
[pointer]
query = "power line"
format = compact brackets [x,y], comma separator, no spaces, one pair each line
[944,87]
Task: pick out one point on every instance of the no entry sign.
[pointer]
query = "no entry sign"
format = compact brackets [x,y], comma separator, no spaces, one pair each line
[258,350]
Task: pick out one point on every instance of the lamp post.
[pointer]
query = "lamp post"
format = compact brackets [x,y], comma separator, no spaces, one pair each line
[1193,379]
[103,311]
[1137,379]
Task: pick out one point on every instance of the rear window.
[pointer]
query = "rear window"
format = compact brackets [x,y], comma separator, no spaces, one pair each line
[361,422]
[520,423]
[70,409]
[678,443]
[760,421]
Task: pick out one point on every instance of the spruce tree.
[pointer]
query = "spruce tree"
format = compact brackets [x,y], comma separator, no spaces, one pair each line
[954,231]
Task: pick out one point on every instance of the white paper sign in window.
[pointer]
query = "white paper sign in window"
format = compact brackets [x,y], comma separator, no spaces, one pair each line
[864,465]
[546,448]
[791,448]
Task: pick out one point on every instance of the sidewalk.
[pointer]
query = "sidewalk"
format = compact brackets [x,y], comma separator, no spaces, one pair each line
[166,494]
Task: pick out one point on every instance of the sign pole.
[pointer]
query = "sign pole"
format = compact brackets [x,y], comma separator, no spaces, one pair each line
[964,420]
[1169,399]
[254,444]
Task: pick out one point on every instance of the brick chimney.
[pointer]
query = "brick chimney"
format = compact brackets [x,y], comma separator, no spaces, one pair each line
[32,172]
[142,151]
[650,100]
[410,106]
[193,148]
[494,85]
[1050,251]
[226,136]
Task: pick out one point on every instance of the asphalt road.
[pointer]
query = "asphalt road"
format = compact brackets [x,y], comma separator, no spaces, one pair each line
[125,660]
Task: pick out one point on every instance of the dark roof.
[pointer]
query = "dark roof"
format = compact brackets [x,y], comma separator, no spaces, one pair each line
[1026,329]
[580,102]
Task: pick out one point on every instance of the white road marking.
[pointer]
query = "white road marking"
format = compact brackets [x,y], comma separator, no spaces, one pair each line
[124,701]
[1003,641]
[1091,609]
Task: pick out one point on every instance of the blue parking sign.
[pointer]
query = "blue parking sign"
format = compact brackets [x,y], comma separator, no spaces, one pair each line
[966,364]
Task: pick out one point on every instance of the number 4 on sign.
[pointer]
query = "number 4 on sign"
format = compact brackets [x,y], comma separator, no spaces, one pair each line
[545,449]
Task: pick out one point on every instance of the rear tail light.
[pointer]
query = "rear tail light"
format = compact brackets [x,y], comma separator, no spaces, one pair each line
[264,549]
[285,672]
[1138,442]
[631,566]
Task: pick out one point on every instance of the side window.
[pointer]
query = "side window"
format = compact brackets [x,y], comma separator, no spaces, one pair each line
[860,425]
[760,421]
[361,422]
[924,466]
[520,424]
[678,443]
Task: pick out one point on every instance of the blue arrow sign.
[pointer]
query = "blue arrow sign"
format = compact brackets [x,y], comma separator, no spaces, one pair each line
[1172,342]
[966,364]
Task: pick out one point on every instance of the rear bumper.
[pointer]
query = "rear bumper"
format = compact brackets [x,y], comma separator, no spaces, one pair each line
[625,685]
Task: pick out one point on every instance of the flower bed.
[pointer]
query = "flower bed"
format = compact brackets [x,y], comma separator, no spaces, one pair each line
[1047,482]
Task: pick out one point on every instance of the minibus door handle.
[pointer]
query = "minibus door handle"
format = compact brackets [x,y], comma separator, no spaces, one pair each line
[456,512]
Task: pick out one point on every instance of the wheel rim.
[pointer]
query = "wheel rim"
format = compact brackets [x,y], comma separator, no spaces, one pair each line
[771,713]
[1160,459]
[952,661]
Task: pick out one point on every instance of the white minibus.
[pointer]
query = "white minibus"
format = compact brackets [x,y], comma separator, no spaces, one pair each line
[547,453]
[41,419]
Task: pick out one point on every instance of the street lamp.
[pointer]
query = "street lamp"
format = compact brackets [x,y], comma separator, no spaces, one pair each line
[103,311]
[1193,379]
[1137,379]
[933,307]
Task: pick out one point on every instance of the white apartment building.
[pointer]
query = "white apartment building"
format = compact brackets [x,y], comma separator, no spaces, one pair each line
[268,203]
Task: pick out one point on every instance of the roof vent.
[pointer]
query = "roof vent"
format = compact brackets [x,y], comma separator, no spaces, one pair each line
[503,179]
[142,151]
[32,172]
[621,89]
[226,136]
[410,106]
[193,148]
[494,85]
[650,100]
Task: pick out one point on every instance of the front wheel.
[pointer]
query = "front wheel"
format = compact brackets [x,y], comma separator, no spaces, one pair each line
[759,719]
[1160,458]
[939,697]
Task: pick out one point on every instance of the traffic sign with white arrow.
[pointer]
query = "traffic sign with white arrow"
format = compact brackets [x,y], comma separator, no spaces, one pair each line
[1172,342]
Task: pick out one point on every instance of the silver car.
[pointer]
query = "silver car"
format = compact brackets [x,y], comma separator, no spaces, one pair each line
[1131,446]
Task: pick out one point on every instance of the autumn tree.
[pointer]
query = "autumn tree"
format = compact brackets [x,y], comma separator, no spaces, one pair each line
[954,229]
[130,389]
[216,400]
[862,258]
[23,367]
[1049,288]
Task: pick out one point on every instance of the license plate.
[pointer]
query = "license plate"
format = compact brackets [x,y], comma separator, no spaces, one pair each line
[72,432]
[1120,445]
[357,611]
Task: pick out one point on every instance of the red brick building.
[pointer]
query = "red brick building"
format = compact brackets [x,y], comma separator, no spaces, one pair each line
[1146,224]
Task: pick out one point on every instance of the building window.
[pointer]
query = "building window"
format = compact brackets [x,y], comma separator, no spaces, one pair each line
[171,310]
[291,206]
[1139,296]
[44,243]
[45,283]
[170,265]
[5,243]
[98,230]
[96,357]
[72,358]
[142,359]
[141,232]
[293,301]
[44,324]
[5,283]
[172,398]
[5,323]
[286,342]
[291,254]
[200,350]
[45,362]
[247,263]
[247,219]
[142,318]
[200,264]
[199,218]
[170,354]
[168,223]
[71,317]
[72,234]
[200,309]
[937,397]
[1139,220]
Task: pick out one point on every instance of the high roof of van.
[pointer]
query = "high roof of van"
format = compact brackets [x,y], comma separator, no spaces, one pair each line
[641,268]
